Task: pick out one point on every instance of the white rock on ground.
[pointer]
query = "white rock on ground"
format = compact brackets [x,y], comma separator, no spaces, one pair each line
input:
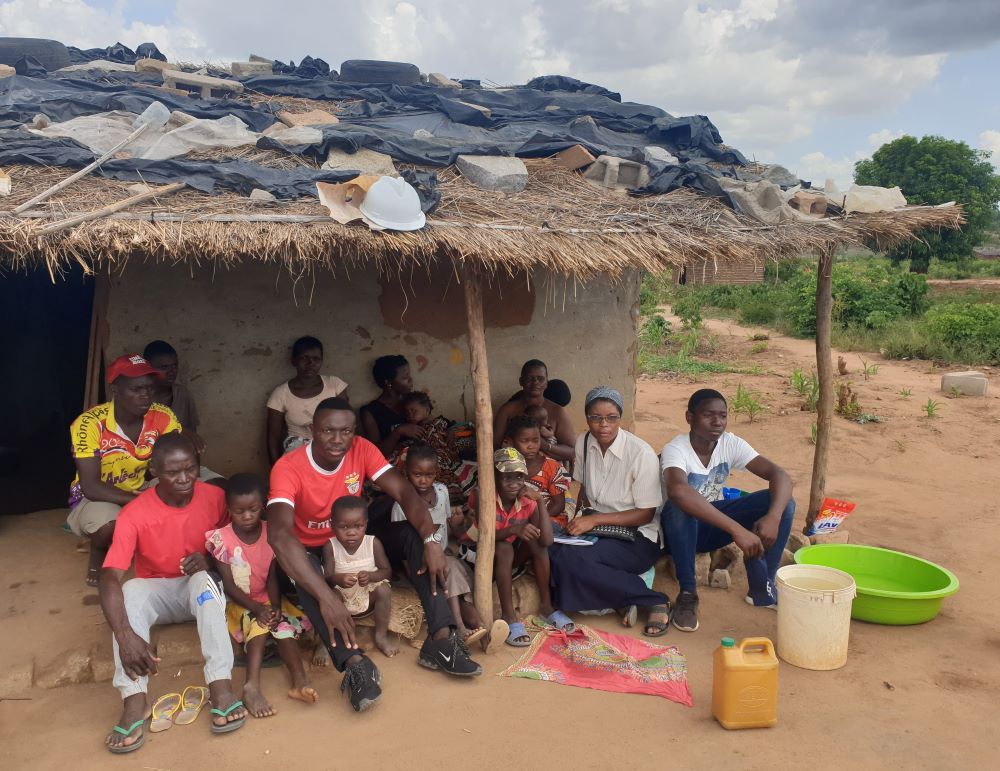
[494,172]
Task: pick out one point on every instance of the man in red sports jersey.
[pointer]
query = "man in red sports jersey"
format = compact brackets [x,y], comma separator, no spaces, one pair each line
[304,485]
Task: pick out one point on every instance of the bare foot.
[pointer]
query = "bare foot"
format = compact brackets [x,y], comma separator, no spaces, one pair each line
[321,656]
[256,704]
[382,643]
[134,708]
[222,697]
[303,693]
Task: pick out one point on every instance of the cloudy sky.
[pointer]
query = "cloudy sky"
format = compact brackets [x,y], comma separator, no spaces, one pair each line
[811,84]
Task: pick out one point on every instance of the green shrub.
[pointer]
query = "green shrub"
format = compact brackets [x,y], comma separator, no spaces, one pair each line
[655,331]
[870,294]
[973,328]
[687,307]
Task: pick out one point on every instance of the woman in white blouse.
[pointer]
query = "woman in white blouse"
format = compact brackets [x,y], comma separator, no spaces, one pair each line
[291,405]
[620,478]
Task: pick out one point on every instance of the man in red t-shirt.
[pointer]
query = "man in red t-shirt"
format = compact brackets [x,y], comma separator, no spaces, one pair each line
[304,484]
[163,532]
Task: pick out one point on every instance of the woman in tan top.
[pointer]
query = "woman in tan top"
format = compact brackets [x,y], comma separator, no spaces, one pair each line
[291,405]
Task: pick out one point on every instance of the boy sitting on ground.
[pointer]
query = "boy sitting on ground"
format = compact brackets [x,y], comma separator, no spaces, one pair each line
[696,519]
[355,564]
[256,611]
[523,532]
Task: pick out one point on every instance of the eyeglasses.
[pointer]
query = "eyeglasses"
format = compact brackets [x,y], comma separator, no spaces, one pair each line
[601,420]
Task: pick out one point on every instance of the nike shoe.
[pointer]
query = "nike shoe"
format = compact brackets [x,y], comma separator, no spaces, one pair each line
[362,682]
[449,655]
[761,592]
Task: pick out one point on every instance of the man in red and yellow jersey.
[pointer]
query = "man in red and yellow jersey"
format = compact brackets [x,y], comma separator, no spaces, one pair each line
[111,446]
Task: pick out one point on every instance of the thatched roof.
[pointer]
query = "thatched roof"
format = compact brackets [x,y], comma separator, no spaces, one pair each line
[560,222]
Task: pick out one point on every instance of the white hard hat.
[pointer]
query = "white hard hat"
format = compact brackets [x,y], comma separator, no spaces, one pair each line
[393,204]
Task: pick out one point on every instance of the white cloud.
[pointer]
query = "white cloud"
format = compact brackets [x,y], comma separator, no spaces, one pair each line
[990,140]
[882,137]
[818,167]
[745,63]
[77,23]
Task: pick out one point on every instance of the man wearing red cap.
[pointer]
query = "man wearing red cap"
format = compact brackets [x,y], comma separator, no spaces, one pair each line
[111,445]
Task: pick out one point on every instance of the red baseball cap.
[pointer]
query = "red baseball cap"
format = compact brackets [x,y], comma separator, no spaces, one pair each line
[131,365]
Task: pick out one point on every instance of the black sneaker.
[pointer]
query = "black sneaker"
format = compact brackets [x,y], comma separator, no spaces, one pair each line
[449,655]
[685,615]
[361,681]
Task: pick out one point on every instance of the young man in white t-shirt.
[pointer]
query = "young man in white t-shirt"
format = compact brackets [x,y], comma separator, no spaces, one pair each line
[695,517]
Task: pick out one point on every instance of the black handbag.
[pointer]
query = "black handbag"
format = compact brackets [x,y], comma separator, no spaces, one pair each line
[618,532]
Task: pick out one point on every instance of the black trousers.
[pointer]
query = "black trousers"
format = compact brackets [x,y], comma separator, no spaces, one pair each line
[339,653]
[403,543]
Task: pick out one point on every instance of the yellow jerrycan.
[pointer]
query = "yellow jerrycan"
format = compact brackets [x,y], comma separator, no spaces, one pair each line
[745,683]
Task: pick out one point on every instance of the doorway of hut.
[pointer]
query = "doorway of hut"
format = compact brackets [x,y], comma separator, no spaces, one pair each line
[47,333]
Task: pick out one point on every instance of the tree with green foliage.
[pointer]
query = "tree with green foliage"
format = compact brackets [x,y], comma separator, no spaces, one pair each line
[934,170]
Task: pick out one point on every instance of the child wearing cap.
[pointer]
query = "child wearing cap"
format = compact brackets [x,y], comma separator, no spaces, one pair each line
[111,446]
[523,532]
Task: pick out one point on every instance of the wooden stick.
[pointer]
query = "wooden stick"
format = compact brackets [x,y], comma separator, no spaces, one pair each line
[824,371]
[81,173]
[55,227]
[486,495]
[98,341]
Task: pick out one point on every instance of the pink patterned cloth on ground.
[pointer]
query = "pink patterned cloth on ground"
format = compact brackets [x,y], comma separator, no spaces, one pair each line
[603,661]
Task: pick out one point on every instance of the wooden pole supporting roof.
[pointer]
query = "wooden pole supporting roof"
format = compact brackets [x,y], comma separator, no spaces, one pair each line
[472,287]
[824,371]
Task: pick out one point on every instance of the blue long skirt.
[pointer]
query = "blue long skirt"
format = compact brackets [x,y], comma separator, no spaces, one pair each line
[605,575]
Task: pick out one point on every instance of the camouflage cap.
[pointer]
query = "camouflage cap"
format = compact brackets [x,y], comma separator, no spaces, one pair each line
[507,460]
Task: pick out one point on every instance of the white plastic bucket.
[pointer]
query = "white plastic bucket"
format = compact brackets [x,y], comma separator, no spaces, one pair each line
[814,615]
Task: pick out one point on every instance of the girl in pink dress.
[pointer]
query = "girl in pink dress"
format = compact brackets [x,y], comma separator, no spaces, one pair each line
[256,611]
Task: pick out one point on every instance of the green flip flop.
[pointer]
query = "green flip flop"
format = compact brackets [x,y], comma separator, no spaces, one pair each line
[235,725]
[125,748]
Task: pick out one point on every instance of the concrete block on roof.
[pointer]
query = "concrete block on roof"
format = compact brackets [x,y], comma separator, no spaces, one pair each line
[311,118]
[809,202]
[364,161]
[246,69]
[494,172]
[617,173]
[661,154]
[442,81]
[970,383]
[204,83]
[262,59]
[152,65]
[575,157]
[6,71]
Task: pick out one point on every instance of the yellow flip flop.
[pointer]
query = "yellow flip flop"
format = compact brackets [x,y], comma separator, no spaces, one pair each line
[192,700]
[164,710]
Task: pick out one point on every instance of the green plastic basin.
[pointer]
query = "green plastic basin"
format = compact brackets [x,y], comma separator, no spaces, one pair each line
[893,587]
